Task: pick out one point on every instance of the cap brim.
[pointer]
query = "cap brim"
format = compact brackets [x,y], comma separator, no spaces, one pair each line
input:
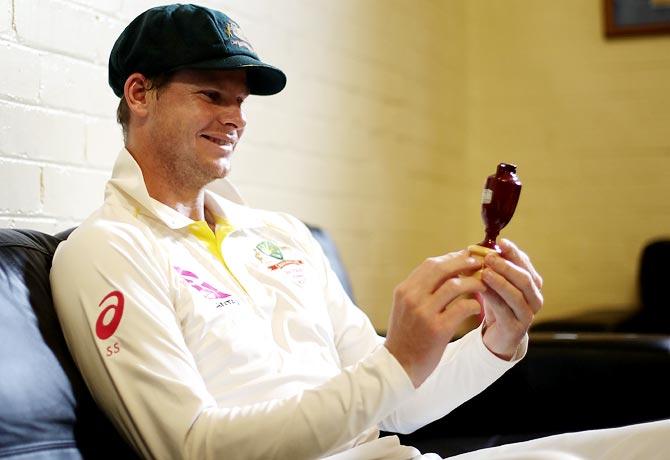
[262,79]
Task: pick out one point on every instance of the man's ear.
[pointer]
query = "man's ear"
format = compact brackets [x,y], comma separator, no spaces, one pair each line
[136,92]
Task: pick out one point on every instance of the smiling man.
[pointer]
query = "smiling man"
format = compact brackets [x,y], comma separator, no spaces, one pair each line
[207,329]
[185,135]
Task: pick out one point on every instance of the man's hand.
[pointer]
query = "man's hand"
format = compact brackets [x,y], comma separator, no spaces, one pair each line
[512,300]
[428,307]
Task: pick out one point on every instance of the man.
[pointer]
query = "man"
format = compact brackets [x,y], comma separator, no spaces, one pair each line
[207,329]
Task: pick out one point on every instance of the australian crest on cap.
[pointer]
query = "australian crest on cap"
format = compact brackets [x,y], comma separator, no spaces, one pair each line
[234,34]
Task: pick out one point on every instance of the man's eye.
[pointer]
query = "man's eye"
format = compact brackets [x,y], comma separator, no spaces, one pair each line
[211,95]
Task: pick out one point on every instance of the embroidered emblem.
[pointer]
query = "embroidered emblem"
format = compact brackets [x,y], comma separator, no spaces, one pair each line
[293,269]
[284,263]
[271,256]
[207,290]
[234,34]
[270,249]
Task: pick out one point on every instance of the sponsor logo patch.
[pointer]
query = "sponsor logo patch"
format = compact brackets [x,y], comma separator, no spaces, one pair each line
[107,322]
[205,289]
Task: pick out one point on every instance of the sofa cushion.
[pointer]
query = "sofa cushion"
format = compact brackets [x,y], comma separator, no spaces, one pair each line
[46,410]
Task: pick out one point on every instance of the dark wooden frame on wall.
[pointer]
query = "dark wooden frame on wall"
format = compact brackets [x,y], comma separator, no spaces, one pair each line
[614,29]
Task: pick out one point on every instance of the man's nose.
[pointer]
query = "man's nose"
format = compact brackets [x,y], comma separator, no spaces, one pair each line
[233,115]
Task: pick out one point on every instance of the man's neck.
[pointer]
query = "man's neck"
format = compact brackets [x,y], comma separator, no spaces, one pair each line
[191,208]
[186,199]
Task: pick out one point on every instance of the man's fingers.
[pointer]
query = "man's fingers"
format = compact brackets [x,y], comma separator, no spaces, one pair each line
[513,297]
[453,288]
[511,252]
[458,311]
[495,305]
[519,280]
[434,271]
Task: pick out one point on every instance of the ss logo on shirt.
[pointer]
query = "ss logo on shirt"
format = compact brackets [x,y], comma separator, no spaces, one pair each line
[109,320]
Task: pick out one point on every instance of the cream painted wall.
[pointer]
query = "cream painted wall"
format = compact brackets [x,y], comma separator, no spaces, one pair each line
[394,114]
[588,122]
[368,138]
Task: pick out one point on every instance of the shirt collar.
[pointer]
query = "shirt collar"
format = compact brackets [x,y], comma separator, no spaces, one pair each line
[127,179]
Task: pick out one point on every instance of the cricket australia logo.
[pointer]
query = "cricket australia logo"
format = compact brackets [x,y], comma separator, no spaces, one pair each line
[270,249]
[271,255]
[234,34]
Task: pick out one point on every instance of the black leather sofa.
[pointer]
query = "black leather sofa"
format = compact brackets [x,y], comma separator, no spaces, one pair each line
[46,411]
[567,382]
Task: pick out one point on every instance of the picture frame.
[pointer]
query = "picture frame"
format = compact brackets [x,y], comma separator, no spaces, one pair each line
[636,17]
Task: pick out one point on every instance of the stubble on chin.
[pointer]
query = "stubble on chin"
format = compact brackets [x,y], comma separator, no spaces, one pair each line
[181,169]
[189,175]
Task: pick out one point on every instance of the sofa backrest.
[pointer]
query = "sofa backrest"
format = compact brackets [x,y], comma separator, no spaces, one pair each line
[46,410]
[653,276]
[332,254]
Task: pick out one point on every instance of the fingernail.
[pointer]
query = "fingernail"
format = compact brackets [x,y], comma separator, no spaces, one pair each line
[491,259]
[471,261]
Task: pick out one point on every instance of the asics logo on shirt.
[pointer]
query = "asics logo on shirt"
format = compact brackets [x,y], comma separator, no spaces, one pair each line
[105,329]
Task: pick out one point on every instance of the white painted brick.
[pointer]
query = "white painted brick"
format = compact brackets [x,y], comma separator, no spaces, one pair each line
[103,142]
[20,190]
[41,134]
[105,34]
[22,81]
[132,8]
[72,194]
[5,17]
[57,26]
[75,85]
[65,224]
[7,222]
[44,225]
[108,6]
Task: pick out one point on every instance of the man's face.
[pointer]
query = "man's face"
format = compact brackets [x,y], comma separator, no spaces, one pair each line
[195,122]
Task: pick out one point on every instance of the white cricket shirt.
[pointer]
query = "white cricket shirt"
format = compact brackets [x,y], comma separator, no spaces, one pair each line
[239,343]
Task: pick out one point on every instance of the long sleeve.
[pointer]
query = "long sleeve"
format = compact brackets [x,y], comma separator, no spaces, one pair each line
[113,295]
[466,368]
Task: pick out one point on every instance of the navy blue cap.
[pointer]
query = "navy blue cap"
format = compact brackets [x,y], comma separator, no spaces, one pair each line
[172,37]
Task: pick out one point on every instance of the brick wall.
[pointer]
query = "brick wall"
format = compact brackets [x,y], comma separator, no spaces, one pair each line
[57,135]
[362,141]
